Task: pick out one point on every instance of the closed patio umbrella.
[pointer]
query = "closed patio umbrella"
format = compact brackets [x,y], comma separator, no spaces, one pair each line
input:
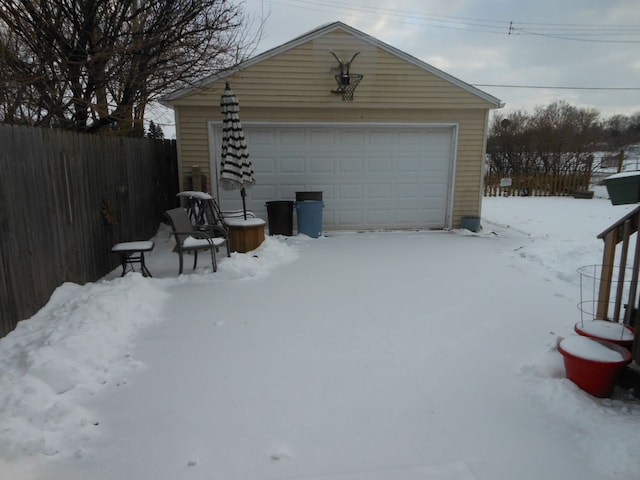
[236,171]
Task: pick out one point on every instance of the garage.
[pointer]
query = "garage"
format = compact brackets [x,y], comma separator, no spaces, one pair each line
[372,176]
[391,141]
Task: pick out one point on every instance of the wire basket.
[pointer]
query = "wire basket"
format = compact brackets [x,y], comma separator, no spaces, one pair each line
[590,305]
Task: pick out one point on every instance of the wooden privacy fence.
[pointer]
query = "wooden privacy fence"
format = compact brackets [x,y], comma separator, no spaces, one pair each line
[65,199]
[539,185]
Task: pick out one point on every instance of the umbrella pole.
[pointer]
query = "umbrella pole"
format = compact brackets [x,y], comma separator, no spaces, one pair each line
[243,194]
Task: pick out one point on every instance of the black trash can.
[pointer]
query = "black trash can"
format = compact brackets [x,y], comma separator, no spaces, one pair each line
[280,216]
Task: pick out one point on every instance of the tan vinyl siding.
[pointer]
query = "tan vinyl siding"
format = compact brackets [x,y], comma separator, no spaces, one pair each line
[193,144]
[306,74]
[295,85]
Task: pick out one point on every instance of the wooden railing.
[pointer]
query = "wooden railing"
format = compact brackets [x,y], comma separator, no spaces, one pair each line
[620,233]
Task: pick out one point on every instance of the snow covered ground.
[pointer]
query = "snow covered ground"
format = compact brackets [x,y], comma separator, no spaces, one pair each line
[388,355]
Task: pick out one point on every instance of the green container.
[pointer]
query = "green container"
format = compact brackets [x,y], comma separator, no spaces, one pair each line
[623,188]
[470,223]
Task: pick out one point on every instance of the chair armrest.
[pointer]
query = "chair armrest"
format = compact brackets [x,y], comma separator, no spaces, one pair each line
[238,213]
[214,228]
[193,233]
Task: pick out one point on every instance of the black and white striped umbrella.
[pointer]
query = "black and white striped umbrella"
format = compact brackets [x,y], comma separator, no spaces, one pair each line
[236,171]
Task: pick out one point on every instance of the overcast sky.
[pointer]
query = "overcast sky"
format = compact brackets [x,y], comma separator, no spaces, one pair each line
[559,43]
[590,47]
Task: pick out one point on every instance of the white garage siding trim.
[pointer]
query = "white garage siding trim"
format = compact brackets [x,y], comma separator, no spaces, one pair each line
[373,175]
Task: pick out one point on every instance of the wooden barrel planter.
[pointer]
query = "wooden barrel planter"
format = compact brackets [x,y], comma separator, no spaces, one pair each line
[245,235]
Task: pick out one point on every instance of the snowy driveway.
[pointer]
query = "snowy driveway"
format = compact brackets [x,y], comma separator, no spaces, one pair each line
[403,355]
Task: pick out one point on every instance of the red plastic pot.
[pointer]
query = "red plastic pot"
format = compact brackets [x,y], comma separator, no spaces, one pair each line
[593,365]
[607,331]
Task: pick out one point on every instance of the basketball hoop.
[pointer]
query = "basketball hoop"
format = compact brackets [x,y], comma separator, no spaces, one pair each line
[347,84]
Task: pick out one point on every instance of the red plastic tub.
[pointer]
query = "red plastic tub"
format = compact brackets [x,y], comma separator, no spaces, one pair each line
[613,332]
[593,365]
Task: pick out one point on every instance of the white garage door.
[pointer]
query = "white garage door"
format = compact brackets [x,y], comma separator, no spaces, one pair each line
[372,177]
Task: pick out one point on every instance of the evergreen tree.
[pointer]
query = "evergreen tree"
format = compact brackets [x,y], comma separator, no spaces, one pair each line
[155,131]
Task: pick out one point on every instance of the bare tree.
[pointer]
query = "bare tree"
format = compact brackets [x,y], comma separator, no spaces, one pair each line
[509,144]
[91,65]
[620,130]
[558,138]
[564,136]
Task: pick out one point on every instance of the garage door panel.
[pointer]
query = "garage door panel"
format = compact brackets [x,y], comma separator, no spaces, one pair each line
[371,177]
[354,191]
[411,164]
[439,153]
[350,217]
[322,164]
[407,216]
[382,137]
[265,165]
[413,139]
[407,190]
[378,217]
[328,217]
[350,138]
[288,191]
[328,189]
[377,191]
[351,165]
[435,168]
[291,137]
[322,138]
[433,218]
[376,164]
[261,137]
[263,192]
[434,191]
[294,164]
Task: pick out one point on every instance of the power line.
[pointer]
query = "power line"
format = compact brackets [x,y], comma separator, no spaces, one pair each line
[564,37]
[556,87]
[581,32]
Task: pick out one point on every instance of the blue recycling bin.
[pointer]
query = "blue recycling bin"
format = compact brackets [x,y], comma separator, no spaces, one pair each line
[309,214]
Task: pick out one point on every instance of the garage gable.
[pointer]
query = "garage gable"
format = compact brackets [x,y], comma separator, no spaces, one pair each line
[303,71]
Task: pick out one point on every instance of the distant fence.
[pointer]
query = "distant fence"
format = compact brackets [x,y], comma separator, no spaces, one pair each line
[65,199]
[544,185]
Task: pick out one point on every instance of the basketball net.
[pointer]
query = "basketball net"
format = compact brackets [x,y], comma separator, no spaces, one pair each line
[347,85]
